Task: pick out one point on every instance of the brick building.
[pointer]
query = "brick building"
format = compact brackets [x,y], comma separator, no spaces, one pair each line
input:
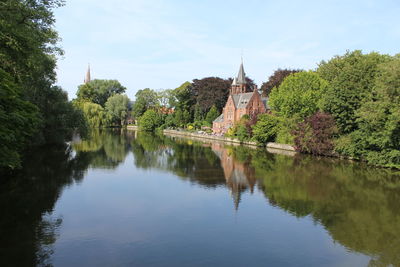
[242,100]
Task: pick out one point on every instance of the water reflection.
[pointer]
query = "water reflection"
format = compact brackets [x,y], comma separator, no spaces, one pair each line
[356,204]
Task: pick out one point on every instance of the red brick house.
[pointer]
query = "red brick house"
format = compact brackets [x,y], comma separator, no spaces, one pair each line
[242,100]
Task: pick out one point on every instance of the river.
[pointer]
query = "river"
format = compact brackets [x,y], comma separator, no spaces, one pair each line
[123,198]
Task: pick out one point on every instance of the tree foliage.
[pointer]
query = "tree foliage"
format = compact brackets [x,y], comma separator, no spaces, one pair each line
[212,114]
[94,114]
[116,108]
[145,99]
[351,79]
[28,54]
[275,80]
[150,121]
[210,91]
[182,97]
[18,120]
[98,91]
[299,95]
[266,128]
[315,134]
[377,138]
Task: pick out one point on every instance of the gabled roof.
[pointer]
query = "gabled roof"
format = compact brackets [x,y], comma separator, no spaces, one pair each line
[241,100]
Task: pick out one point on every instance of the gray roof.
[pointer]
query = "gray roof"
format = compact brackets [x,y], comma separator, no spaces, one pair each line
[265,102]
[241,79]
[220,118]
[242,99]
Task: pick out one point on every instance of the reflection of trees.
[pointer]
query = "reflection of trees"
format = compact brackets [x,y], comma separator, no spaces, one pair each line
[186,159]
[103,148]
[359,206]
[27,231]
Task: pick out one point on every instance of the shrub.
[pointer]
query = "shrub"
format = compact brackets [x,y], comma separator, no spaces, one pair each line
[315,134]
[266,128]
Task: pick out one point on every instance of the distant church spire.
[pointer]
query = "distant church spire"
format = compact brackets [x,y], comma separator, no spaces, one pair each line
[87,77]
[241,79]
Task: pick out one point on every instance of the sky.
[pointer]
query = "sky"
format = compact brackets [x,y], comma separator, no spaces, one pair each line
[160,44]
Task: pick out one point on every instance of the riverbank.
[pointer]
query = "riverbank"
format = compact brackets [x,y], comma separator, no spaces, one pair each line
[271,147]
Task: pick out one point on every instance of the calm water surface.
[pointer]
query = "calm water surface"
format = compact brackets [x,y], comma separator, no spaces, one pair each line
[132,199]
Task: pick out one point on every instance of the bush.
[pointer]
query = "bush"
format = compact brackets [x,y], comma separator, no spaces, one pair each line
[240,130]
[266,128]
[315,134]
[149,121]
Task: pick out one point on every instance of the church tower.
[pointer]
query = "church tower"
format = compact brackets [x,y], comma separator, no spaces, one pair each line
[87,77]
[239,84]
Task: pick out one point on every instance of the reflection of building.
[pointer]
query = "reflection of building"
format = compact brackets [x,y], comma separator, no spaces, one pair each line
[242,100]
[239,176]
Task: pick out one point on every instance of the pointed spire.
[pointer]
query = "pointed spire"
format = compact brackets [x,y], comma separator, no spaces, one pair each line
[241,79]
[87,78]
[234,81]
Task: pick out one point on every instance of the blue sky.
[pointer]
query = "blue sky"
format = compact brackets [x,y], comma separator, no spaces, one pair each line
[160,44]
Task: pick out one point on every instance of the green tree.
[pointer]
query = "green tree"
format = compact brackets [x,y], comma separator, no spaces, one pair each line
[351,79]
[28,40]
[299,95]
[145,99]
[18,120]
[167,98]
[116,108]
[182,97]
[98,91]
[275,80]
[178,118]
[198,115]
[28,53]
[266,128]
[377,139]
[212,114]
[94,114]
[149,121]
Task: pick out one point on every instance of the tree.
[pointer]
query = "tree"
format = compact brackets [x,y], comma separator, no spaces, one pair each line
[167,98]
[98,91]
[276,79]
[212,114]
[315,134]
[351,79]
[266,128]
[94,114]
[149,121]
[198,115]
[145,99]
[182,97]
[210,91]
[29,43]
[28,53]
[377,138]
[62,117]
[117,108]
[18,120]
[299,95]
